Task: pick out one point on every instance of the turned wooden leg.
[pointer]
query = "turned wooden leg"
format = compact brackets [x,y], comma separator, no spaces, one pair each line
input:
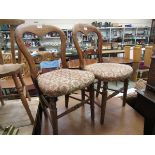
[104,100]
[38,121]
[53,112]
[1,96]
[24,86]
[91,96]
[83,94]
[23,99]
[66,100]
[98,87]
[126,81]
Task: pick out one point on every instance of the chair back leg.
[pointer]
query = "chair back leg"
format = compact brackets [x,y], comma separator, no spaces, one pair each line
[91,97]
[23,98]
[126,81]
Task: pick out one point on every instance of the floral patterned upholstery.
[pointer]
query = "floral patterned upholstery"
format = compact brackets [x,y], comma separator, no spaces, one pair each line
[110,71]
[64,81]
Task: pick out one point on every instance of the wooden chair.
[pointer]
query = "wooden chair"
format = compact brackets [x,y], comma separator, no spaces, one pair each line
[56,83]
[14,69]
[145,65]
[104,72]
[137,54]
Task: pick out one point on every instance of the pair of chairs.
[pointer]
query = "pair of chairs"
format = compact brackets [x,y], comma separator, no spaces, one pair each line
[65,81]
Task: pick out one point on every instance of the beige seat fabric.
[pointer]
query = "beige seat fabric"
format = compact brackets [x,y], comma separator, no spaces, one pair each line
[9,68]
[64,81]
[110,71]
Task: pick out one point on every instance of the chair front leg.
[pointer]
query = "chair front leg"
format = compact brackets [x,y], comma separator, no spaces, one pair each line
[104,100]
[38,121]
[53,112]
[66,100]
[83,94]
[91,96]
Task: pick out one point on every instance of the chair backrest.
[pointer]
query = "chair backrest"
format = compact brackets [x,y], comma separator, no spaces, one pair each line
[127,52]
[147,55]
[86,29]
[137,53]
[40,31]
[12,23]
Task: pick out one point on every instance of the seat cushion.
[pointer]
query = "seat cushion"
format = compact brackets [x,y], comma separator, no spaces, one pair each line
[9,69]
[64,81]
[110,71]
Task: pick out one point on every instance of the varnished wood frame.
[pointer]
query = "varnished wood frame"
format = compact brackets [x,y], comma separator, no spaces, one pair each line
[86,29]
[49,101]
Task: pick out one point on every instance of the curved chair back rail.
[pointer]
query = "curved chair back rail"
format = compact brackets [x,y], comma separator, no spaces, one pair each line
[39,31]
[86,29]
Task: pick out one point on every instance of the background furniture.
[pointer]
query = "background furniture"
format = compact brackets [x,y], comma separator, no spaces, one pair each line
[137,53]
[145,105]
[143,101]
[13,69]
[146,101]
[56,83]
[145,64]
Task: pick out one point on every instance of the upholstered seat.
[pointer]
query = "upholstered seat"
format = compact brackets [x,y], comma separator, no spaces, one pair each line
[110,71]
[10,68]
[64,81]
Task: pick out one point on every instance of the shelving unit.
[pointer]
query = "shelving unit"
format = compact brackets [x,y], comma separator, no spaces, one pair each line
[120,36]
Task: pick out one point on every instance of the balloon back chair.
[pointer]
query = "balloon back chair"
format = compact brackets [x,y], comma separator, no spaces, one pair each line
[55,83]
[104,72]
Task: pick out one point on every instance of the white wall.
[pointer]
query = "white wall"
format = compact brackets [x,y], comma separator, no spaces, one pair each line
[68,23]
